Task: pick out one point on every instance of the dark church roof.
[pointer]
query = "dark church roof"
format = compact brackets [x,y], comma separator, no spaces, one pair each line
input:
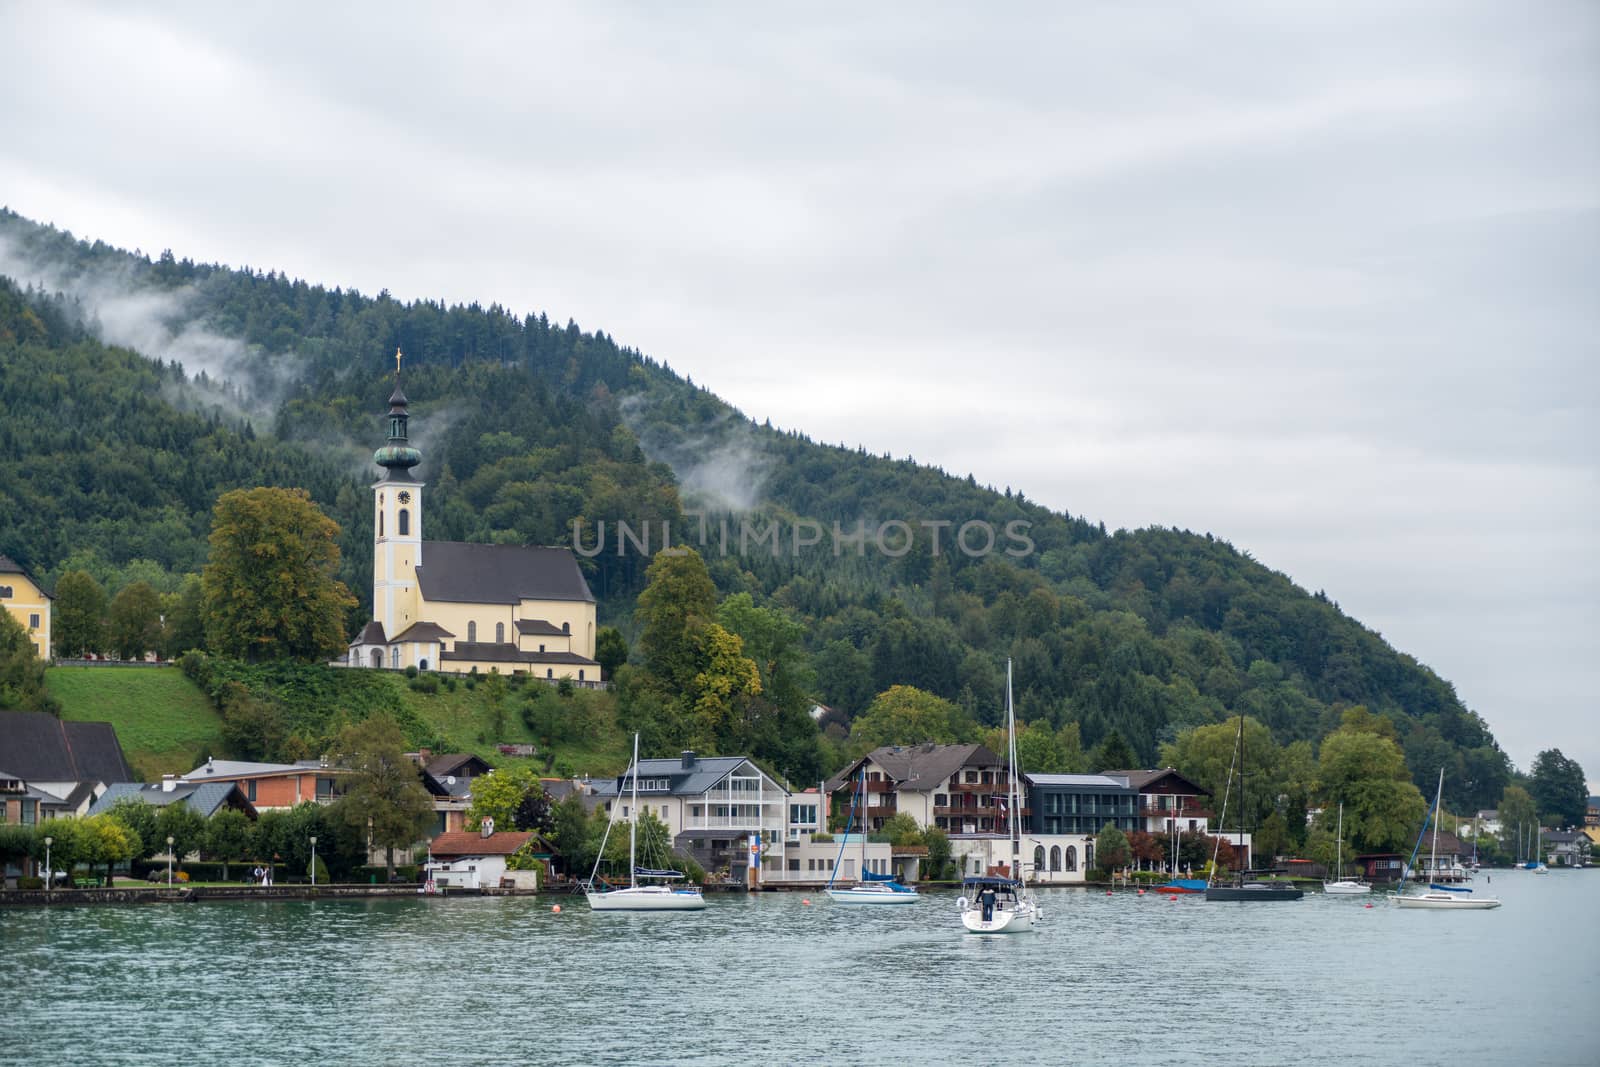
[489,652]
[371,634]
[422,631]
[460,573]
[43,748]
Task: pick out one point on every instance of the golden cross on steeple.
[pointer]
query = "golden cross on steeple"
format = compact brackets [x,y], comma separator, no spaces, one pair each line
[397,362]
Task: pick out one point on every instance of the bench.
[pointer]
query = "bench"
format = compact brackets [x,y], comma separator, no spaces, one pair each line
[87,883]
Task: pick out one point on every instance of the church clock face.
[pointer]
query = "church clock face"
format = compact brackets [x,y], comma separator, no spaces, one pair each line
[405,497]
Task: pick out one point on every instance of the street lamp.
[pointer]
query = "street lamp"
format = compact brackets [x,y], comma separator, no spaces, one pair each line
[169,861]
[313,859]
[49,869]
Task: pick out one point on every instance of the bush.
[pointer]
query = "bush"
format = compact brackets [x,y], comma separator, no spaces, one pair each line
[1097,874]
[411,672]
[30,882]
[403,872]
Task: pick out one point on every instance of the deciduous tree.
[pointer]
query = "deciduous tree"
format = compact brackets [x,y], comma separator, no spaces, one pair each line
[384,797]
[134,624]
[270,587]
[1559,789]
[21,671]
[228,837]
[78,615]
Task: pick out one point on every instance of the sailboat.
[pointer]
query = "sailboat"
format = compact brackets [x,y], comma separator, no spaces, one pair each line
[1241,889]
[1342,886]
[1003,905]
[872,888]
[1438,897]
[656,894]
[1534,863]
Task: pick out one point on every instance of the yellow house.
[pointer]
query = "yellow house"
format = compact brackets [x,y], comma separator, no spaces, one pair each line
[27,602]
[452,606]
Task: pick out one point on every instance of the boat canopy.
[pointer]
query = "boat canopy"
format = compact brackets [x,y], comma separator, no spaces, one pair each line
[981,880]
[874,876]
[646,872]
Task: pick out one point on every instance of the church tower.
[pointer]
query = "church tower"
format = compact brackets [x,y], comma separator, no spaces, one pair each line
[396,522]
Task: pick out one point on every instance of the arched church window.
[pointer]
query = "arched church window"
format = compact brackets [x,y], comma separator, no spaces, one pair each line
[566,627]
[380,524]
[405,522]
[422,664]
[499,633]
[472,632]
[394,657]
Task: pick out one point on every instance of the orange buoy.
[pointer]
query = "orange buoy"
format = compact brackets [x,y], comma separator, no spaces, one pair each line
[806,901]
[556,908]
[1108,892]
[1141,892]
[1173,898]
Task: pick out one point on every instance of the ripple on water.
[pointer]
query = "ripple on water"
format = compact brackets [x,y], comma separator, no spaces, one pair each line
[766,979]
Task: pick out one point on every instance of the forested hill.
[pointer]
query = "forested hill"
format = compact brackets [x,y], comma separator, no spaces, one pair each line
[117,456]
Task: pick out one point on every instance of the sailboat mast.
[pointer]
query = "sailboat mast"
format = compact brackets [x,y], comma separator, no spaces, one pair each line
[1339,871]
[1243,806]
[1433,850]
[633,822]
[1014,826]
[861,875]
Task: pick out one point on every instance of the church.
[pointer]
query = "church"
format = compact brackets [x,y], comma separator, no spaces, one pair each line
[452,606]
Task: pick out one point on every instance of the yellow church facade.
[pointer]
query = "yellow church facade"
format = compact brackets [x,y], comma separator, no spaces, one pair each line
[459,607]
[28,603]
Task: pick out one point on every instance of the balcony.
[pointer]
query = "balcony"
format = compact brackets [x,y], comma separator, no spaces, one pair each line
[724,822]
[965,812]
[997,786]
[880,786]
[881,811]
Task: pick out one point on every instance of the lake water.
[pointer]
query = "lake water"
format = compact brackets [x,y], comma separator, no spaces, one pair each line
[767,979]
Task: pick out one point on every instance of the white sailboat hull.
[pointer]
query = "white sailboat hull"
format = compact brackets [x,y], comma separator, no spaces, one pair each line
[869,894]
[1346,888]
[1023,919]
[647,898]
[1445,902]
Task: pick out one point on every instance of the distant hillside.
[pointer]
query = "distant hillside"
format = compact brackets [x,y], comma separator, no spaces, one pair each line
[527,425]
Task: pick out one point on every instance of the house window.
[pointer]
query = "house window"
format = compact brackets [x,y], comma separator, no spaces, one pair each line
[794,864]
[499,633]
[5,590]
[33,622]
[405,522]
[541,648]
[972,776]
[250,789]
[472,632]
[580,674]
[549,672]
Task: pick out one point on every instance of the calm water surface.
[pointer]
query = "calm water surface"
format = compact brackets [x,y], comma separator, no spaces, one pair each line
[767,979]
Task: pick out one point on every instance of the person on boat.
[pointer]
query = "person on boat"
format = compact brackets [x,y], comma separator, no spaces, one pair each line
[986,900]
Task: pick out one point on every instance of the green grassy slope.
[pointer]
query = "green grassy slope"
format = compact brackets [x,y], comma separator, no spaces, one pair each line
[161,717]
[165,721]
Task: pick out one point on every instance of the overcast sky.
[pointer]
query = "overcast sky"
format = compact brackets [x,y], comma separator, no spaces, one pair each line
[1322,283]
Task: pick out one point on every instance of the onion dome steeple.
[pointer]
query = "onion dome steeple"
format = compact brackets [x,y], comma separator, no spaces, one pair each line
[397,456]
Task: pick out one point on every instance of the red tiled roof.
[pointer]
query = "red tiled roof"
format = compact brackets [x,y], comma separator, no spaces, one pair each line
[472,843]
